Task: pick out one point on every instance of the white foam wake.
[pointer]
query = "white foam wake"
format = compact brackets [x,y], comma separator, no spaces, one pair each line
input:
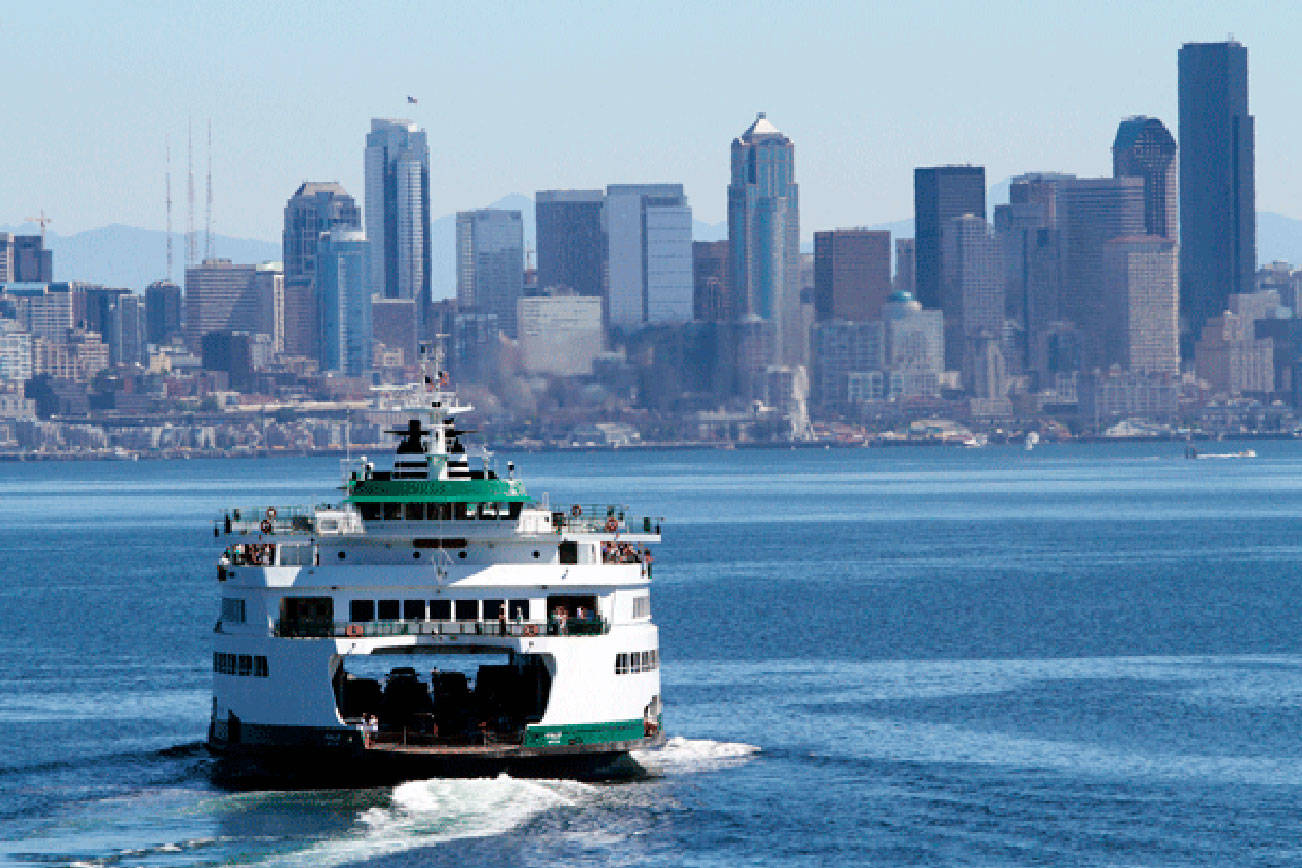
[422,813]
[690,755]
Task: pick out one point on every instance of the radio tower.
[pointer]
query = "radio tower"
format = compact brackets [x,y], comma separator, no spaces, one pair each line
[207,220]
[168,188]
[190,247]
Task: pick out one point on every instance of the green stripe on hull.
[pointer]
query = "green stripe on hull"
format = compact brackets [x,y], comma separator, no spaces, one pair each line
[450,491]
[542,735]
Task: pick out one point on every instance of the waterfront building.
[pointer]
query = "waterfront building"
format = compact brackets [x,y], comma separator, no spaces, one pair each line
[1144,148]
[712,299]
[1092,212]
[561,335]
[905,268]
[162,312]
[344,291]
[222,296]
[1141,285]
[397,210]
[972,297]
[571,240]
[1218,248]
[1108,397]
[941,194]
[764,236]
[852,274]
[1232,359]
[490,264]
[914,345]
[648,255]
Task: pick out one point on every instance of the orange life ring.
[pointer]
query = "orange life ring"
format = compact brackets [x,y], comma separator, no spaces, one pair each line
[612,525]
[530,630]
[576,510]
[271,512]
[266,525]
[353,630]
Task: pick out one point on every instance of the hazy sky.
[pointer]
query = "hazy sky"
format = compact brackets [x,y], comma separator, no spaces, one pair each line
[520,97]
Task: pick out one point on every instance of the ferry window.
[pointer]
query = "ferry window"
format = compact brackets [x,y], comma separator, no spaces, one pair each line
[635,663]
[246,665]
[361,610]
[233,610]
[463,511]
[413,610]
[370,511]
[642,606]
[514,509]
[415,511]
[493,608]
[569,552]
[440,511]
[519,609]
[259,666]
[467,610]
[388,610]
[393,512]
[621,664]
[440,610]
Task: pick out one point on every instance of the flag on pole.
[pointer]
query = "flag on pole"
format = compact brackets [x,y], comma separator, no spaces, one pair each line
[411,99]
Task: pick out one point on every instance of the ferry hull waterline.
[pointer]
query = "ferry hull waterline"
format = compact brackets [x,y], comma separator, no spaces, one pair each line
[523,632]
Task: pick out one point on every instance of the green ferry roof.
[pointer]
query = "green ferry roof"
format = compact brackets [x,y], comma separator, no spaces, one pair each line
[436,490]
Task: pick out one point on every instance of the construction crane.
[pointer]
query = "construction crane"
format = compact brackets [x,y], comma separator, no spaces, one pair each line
[41,221]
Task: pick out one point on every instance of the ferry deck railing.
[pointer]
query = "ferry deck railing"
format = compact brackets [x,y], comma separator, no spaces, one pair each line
[373,629]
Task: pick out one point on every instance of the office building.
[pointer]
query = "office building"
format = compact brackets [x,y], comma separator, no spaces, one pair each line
[24,259]
[1218,248]
[222,296]
[1144,148]
[315,208]
[343,290]
[648,255]
[838,350]
[712,299]
[1092,212]
[393,326]
[852,274]
[43,310]
[571,240]
[972,296]
[560,335]
[940,194]
[123,329]
[490,264]
[1141,286]
[397,210]
[162,312]
[915,345]
[764,236]
[230,352]
[476,347]
[1232,359]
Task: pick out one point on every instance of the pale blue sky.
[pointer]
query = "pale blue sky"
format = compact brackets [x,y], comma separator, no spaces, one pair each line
[520,97]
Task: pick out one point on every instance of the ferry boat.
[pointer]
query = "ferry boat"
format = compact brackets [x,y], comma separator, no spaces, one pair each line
[523,630]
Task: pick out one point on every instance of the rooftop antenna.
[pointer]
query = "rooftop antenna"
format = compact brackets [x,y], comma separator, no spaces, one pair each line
[41,221]
[190,247]
[207,227]
[168,188]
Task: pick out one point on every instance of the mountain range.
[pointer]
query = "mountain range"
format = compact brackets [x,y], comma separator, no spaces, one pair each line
[119,255]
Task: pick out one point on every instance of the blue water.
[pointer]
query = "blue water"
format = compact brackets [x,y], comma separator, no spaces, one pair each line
[1084,655]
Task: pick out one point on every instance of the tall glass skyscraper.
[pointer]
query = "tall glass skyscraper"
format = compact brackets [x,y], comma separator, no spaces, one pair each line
[571,240]
[940,195]
[1144,148]
[1218,242]
[764,236]
[649,254]
[397,209]
[490,264]
[343,279]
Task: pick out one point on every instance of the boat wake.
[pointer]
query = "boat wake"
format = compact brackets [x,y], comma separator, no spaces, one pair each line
[691,755]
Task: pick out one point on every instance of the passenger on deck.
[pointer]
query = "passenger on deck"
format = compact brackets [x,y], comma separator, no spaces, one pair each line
[501,620]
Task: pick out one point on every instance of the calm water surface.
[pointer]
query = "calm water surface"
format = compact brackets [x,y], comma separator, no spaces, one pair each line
[1084,655]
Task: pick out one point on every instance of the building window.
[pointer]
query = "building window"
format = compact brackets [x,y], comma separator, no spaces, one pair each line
[467,610]
[361,610]
[232,610]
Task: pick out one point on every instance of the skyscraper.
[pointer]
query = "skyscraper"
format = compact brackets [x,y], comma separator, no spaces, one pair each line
[712,294]
[397,209]
[940,194]
[764,235]
[852,274]
[343,281]
[1142,333]
[1092,212]
[904,265]
[490,264]
[1218,246]
[162,312]
[972,297]
[221,296]
[571,240]
[648,254]
[1145,149]
[315,207]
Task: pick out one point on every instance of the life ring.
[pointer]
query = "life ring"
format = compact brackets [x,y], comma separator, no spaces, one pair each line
[612,525]
[576,510]
[530,630]
[271,512]
[266,525]
[353,630]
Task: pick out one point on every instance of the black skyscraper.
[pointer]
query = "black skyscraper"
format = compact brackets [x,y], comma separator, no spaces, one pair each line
[1218,247]
[571,240]
[940,194]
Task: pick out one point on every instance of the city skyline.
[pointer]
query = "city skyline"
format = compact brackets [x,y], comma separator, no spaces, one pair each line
[84,147]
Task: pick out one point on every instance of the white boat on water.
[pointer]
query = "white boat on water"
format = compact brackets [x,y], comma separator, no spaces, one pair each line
[441,562]
[1032,440]
[1203,456]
